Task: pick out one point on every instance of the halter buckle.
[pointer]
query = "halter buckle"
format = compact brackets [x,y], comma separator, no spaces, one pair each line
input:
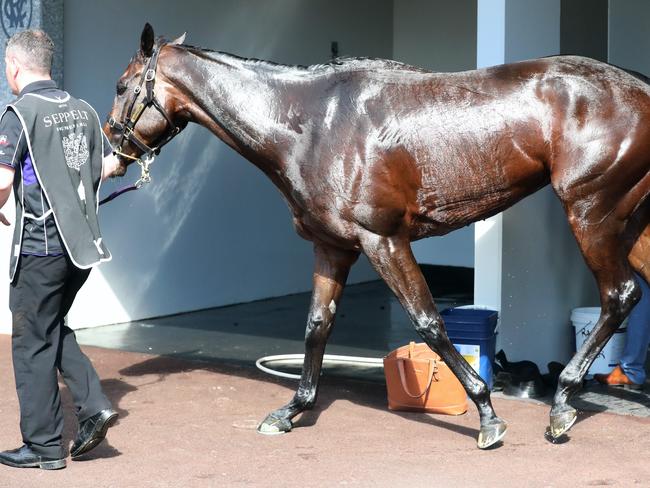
[150,75]
[144,162]
[147,159]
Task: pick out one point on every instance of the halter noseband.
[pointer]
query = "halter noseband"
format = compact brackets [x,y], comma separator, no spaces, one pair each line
[127,126]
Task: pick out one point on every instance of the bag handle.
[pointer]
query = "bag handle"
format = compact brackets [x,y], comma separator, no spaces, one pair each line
[402,377]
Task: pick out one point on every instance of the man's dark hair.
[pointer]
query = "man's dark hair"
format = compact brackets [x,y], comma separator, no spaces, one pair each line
[34,48]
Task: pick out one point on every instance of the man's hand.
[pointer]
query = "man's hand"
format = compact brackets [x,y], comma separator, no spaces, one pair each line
[3,219]
[111,164]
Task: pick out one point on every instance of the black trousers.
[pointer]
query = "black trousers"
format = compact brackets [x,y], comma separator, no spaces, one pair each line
[40,297]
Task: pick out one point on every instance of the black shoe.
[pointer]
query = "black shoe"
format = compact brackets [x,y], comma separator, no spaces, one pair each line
[24,457]
[92,431]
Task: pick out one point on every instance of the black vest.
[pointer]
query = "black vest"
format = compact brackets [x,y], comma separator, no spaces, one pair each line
[65,144]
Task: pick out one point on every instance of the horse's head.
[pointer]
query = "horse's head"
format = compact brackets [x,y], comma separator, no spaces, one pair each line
[146,112]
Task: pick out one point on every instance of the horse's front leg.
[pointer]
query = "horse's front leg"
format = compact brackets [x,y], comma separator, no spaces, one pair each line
[393,259]
[331,271]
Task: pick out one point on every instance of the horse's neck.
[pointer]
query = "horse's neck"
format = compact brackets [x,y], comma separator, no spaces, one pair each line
[238,100]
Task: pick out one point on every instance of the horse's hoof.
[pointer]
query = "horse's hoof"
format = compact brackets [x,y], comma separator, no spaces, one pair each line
[562,421]
[274,426]
[492,433]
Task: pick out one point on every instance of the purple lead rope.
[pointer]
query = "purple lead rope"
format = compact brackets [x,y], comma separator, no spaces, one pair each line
[117,193]
[145,177]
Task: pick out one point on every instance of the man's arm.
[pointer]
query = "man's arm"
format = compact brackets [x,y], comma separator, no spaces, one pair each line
[110,163]
[12,145]
[6,182]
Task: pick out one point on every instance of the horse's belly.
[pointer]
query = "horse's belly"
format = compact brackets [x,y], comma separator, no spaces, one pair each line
[328,227]
[451,198]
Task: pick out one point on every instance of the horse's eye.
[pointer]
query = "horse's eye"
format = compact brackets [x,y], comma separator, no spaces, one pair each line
[121,88]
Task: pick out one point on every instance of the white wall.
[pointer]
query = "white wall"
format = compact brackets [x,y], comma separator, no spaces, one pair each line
[211,229]
[440,36]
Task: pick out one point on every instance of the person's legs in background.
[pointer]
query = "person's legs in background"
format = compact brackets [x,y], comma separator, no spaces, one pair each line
[638,337]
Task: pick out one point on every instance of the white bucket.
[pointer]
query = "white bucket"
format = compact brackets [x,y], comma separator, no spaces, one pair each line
[584,320]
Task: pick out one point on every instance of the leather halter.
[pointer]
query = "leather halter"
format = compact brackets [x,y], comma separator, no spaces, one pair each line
[126,127]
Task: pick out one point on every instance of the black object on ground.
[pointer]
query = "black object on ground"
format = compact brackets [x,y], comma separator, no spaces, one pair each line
[520,378]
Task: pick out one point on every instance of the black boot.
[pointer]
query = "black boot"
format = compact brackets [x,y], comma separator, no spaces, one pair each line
[92,431]
[24,457]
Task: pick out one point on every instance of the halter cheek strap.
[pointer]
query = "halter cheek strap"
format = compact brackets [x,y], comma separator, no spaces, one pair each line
[127,126]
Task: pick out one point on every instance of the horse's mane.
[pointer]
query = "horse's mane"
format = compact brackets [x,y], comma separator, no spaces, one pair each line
[636,74]
[339,63]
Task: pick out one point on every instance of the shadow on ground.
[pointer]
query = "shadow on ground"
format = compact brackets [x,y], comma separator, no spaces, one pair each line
[115,390]
[332,389]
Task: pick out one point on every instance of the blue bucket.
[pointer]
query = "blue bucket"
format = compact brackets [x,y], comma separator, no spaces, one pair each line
[473,333]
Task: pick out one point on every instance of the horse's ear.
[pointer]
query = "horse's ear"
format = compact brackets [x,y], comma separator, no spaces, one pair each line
[179,40]
[147,40]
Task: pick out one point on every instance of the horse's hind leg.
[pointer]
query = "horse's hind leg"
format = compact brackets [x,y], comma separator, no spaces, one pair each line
[605,249]
[331,271]
[394,261]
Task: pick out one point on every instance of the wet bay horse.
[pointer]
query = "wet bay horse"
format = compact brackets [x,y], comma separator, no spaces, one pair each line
[372,154]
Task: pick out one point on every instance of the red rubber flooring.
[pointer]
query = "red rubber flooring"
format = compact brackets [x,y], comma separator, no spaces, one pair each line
[190,424]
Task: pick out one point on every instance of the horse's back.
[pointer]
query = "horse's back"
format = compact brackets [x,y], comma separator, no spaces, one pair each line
[436,151]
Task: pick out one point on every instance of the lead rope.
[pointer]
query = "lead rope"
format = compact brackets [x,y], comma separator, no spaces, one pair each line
[145,176]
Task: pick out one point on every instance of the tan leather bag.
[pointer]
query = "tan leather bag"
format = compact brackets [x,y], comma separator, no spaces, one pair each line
[418,380]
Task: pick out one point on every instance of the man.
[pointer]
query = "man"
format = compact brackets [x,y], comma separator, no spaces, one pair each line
[54,154]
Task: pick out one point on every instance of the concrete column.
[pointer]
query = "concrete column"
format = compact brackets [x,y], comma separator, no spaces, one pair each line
[17,15]
[490,51]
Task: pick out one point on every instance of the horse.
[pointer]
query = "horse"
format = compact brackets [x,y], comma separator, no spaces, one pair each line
[372,154]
